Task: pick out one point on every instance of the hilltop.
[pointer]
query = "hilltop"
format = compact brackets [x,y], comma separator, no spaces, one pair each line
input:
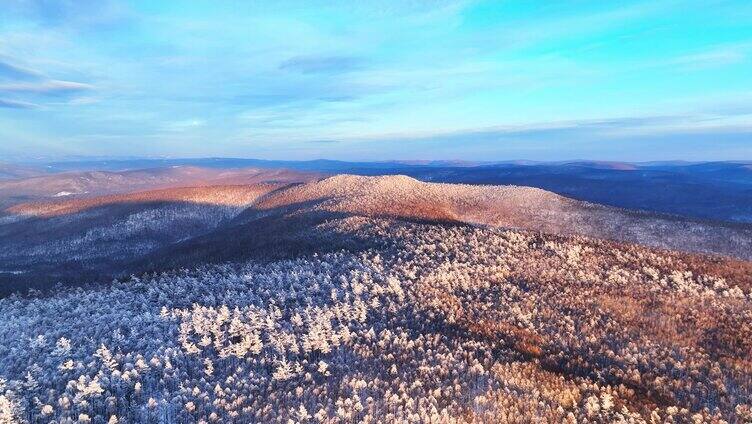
[528,208]
[161,229]
[370,299]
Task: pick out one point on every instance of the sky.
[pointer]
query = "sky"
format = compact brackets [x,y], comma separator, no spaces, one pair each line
[376,80]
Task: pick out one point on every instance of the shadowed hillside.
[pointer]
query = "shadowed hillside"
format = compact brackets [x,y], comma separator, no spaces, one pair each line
[98,237]
[415,322]
[513,207]
[104,236]
[370,299]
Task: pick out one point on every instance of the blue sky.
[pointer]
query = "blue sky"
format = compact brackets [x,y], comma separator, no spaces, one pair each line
[377,80]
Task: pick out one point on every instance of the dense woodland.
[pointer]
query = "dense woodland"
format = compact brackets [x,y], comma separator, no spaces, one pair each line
[434,323]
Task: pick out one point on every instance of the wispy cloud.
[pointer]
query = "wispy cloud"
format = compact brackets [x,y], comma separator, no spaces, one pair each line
[715,57]
[185,125]
[15,104]
[68,13]
[9,71]
[49,87]
[323,75]
[25,88]
[322,64]
[325,141]
[627,138]
[585,129]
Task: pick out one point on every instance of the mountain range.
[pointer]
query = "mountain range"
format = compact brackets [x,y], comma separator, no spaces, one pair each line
[227,294]
[720,191]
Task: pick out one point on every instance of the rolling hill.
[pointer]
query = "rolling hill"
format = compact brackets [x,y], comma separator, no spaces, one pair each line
[720,191]
[390,320]
[172,228]
[11,171]
[79,184]
[94,237]
[370,299]
[509,207]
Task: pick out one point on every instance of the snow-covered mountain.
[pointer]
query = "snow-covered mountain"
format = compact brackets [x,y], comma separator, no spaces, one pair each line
[370,299]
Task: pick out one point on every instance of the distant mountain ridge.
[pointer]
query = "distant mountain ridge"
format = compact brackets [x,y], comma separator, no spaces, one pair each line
[228,162]
[10,171]
[720,191]
[77,184]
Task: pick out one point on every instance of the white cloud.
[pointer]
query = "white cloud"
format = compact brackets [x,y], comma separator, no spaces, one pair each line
[45,87]
[184,125]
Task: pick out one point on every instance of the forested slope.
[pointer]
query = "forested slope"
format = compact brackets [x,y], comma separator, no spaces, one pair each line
[426,323]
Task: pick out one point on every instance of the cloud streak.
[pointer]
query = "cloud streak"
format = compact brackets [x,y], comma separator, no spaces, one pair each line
[67,13]
[24,88]
[461,78]
[9,71]
[14,104]
[49,87]
[322,64]
[615,138]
